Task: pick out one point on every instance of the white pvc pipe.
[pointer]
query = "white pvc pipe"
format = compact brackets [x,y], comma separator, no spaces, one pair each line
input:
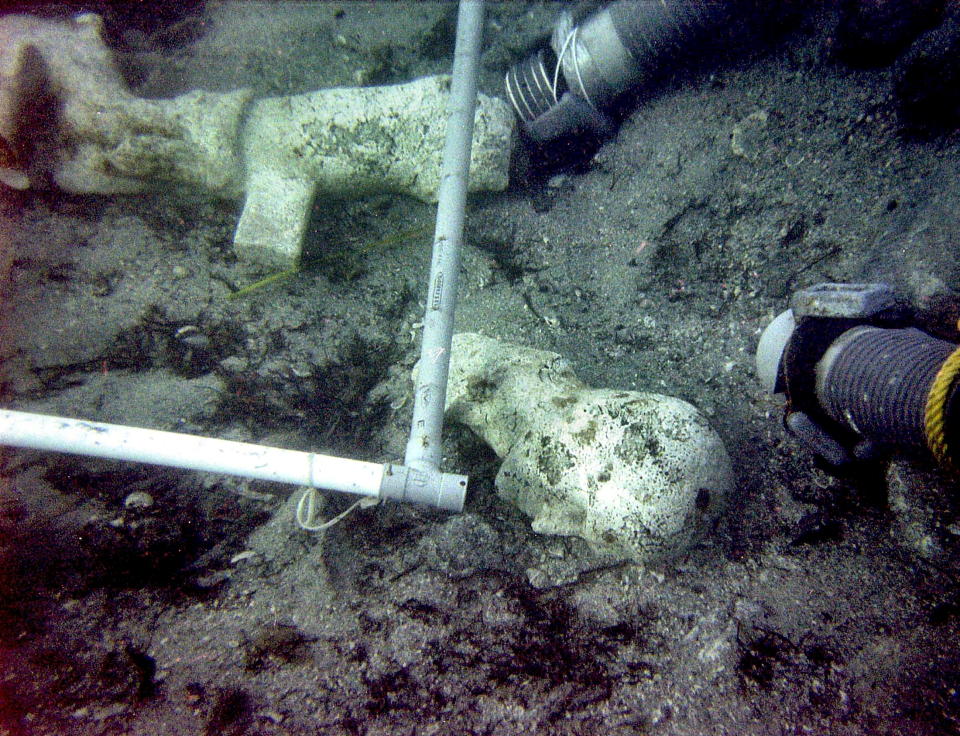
[423,447]
[60,434]
[420,481]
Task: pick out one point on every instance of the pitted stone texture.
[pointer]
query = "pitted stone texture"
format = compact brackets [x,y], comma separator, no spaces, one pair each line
[353,141]
[635,474]
[68,119]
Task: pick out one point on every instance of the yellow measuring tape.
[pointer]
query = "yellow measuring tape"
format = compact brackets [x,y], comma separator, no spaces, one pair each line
[934,420]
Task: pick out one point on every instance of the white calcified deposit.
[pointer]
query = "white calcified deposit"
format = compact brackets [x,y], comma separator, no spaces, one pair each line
[635,474]
[67,119]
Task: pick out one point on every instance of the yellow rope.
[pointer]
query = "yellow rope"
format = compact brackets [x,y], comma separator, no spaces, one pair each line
[935,415]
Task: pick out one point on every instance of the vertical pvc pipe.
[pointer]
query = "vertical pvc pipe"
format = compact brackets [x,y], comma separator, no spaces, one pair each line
[423,448]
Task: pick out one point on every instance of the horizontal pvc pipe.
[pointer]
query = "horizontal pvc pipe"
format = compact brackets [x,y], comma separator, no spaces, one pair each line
[117,442]
[426,486]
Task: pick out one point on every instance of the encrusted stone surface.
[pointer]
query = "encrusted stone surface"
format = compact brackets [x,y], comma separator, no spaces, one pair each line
[67,118]
[635,474]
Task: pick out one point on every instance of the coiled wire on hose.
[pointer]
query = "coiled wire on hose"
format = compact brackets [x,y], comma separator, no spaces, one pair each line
[626,44]
[532,87]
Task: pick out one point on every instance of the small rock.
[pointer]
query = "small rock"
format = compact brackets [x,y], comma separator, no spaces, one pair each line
[234,364]
[197,342]
[746,138]
[138,501]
